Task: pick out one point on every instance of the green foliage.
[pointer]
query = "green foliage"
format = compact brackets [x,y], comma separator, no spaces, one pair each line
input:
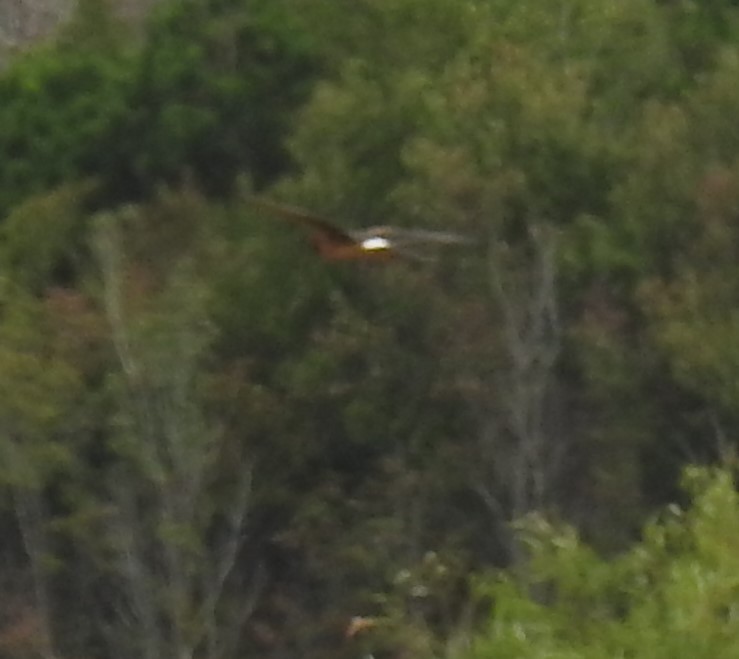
[694,315]
[207,95]
[192,401]
[672,595]
[42,241]
[698,27]
[39,388]
[56,107]
[163,442]
[93,27]
[212,89]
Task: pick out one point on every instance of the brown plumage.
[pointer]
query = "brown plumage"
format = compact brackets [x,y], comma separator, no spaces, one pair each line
[378,243]
[359,624]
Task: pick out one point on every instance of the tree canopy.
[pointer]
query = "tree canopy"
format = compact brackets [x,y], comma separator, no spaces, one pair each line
[215,444]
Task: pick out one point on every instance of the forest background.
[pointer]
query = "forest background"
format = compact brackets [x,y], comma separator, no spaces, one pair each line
[213,444]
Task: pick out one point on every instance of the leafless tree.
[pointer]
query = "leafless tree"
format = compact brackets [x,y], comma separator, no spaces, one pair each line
[33,523]
[33,397]
[176,552]
[520,438]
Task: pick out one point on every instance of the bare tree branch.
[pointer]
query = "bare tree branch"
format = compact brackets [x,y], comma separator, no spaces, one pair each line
[519,434]
[178,553]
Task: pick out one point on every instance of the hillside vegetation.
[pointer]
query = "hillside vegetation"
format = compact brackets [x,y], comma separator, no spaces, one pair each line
[214,444]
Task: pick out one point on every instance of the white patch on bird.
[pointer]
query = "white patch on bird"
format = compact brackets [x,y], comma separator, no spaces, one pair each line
[375,243]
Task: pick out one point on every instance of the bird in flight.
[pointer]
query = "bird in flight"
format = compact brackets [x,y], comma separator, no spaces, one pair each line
[378,243]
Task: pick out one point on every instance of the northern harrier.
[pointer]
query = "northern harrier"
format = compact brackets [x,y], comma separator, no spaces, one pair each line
[379,243]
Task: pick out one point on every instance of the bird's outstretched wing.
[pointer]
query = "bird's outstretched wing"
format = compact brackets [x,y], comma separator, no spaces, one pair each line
[308,220]
[404,236]
[331,242]
[374,243]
